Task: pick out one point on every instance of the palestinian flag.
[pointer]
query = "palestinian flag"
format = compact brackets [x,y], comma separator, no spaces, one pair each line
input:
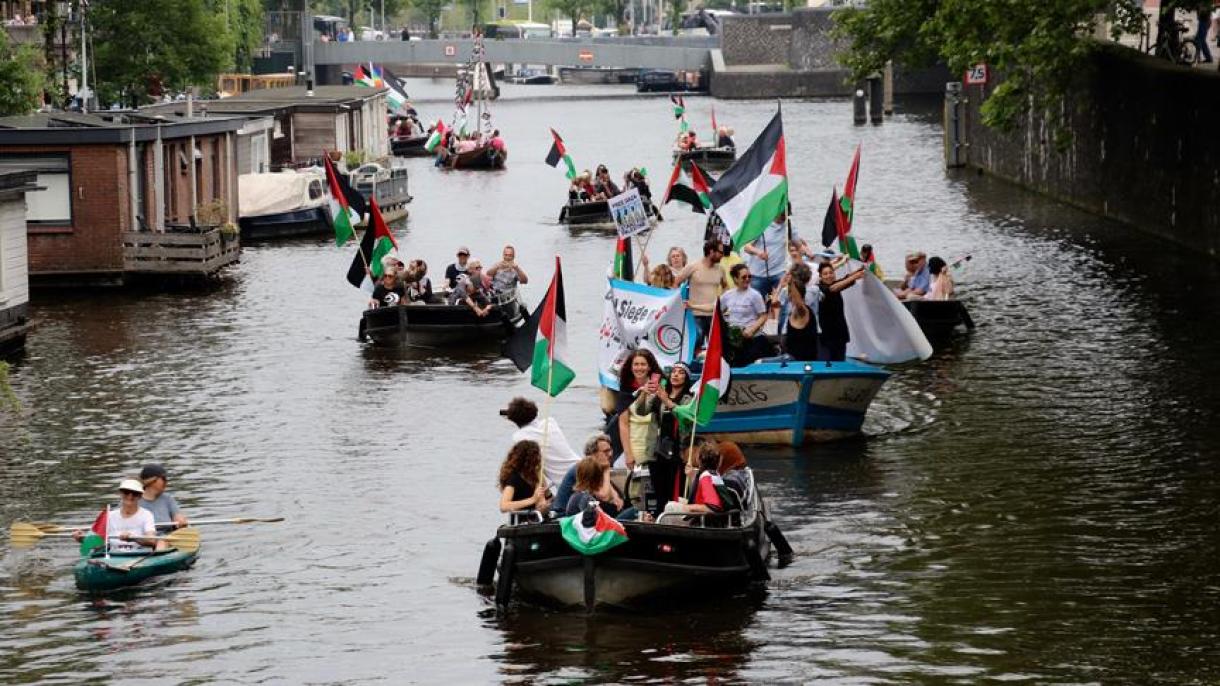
[702,187]
[623,264]
[559,152]
[830,226]
[847,209]
[376,243]
[397,96]
[97,533]
[541,344]
[435,139]
[678,189]
[592,531]
[679,111]
[754,190]
[715,380]
[342,218]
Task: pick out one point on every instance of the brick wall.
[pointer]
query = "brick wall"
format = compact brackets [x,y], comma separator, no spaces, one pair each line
[758,39]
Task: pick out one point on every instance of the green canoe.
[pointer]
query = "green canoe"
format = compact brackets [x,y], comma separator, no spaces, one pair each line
[101,573]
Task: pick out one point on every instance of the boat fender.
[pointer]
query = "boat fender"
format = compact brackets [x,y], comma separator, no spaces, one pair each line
[508,573]
[487,566]
[781,544]
[758,566]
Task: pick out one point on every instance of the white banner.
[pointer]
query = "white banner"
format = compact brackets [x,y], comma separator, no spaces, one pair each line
[882,330]
[628,212]
[639,316]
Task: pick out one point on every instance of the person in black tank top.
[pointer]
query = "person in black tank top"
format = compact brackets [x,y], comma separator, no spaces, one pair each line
[801,339]
[834,337]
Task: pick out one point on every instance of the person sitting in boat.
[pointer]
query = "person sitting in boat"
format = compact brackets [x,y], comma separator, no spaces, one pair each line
[156,500]
[597,446]
[390,289]
[467,144]
[521,488]
[131,527]
[603,184]
[746,312]
[692,141]
[457,269]
[707,492]
[419,285]
[593,486]
[496,142]
[589,192]
[707,280]
[506,274]
[918,280]
[683,141]
[732,468]
[942,283]
[834,335]
[724,138]
[471,291]
[559,457]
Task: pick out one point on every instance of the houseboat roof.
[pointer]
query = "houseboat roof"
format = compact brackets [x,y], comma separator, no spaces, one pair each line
[17,181]
[68,128]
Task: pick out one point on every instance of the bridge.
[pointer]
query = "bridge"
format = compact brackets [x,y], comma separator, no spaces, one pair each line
[674,54]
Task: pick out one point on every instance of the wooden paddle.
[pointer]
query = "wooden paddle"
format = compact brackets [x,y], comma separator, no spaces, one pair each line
[49,528]
[26,535]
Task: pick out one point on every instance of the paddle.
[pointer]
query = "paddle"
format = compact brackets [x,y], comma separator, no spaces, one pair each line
[48,528]
[26,535]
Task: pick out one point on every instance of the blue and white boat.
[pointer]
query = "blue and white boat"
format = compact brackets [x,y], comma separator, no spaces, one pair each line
[791,403]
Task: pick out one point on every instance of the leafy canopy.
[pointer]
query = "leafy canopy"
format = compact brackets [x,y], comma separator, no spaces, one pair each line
[22,78]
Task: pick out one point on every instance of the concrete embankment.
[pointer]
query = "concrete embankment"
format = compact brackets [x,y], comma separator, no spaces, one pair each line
[1143,147]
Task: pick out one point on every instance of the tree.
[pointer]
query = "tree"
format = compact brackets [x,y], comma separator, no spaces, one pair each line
[476,11]
[431,12]
[576,9]
[616,9]
[1038,46]
[143,48]
[22,77]
[245,20]
[676,8]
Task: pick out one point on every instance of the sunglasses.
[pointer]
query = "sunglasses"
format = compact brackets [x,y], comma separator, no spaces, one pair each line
[129,494]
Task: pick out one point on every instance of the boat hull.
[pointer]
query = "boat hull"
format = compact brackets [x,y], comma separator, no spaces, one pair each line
[939,319]
[435,325]
[715,159]
[596,212]
[484,158]
[412,146]
[309,221]
[122,570]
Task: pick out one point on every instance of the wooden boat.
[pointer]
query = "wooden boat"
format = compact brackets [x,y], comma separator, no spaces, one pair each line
[678,557]
[939,319]
[482,157]
[708,157]
[593,212]
[436,323]
[475,82]
[283,204]
[101,572]
[409,146]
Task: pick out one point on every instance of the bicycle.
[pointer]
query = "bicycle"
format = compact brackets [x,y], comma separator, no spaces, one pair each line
[1171,42]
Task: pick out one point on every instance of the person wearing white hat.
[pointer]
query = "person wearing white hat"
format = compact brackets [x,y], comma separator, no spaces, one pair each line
[131,527]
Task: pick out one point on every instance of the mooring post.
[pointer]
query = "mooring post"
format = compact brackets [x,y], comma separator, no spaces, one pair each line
[887,85]
[875,98]
[858,99]
[955,153]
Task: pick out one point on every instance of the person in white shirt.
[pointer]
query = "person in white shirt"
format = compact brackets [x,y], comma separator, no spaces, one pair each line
[130,527]
[745,309]
[557,455]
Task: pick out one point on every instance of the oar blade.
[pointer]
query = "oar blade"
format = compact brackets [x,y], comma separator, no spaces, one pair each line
[187,540]
[24,534]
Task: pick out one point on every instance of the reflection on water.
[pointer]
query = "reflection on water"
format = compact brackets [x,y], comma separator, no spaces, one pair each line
[1035,503]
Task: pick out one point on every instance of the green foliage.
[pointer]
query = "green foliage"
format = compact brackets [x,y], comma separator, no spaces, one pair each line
[572,9]
[676,8]
[430,10]
[245,20]
[145,46]
[1037,46]
[616,9]
[22,77]
[8,399]
[475,10]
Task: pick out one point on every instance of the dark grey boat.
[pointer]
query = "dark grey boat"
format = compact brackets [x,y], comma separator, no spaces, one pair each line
[939,319]
[436,323]
[716,159]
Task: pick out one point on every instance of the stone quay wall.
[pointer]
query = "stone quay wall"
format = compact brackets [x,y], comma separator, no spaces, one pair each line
[1143,147]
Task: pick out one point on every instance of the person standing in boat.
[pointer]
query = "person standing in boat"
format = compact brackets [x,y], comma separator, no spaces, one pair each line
[131,527]
[157,500]
[834,336]
[506,274]
[558,457]
[942,283]
[665,470]
[707,281]
[470,290]
[765,256]
[457,269]
[521,488]
[640,375]
[801,334]
[675,262]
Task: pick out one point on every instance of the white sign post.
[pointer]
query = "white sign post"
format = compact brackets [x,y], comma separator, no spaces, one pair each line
[627,210]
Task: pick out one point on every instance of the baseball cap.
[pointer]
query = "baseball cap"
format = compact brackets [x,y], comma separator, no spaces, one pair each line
[152,471]
[463,250]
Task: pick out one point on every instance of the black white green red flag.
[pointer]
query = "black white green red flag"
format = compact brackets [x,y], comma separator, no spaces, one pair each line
[714,382]
[752,193]
[376,243]
[560,152]
[541,345]
[692,189]
[592,531]
[623,263]
[341,216]
[847,210]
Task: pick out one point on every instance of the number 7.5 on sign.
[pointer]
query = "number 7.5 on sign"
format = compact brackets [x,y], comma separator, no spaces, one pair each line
[977,75]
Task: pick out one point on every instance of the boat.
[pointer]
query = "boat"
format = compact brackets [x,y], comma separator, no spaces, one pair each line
[598,75]
[102,572]
[387,184]
[678,557]
[281,204]
[409,146]
[707,157]
[533,76]
[474,86]
[438,323]
[938,319]
[594,212]
[482,157]
[659,81]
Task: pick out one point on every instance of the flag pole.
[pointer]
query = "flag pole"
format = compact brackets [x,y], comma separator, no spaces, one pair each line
[550,376]
[643,248]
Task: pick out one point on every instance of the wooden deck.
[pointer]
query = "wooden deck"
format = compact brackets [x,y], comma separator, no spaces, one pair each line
[187,253]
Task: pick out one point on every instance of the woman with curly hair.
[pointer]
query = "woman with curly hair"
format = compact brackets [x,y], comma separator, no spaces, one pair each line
[521,488]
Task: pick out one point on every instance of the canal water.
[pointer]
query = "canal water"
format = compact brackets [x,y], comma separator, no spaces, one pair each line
[1037,503]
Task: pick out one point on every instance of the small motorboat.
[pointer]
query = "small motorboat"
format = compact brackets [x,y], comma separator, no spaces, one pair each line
[591,212]
[659,81]
[283,204]
[533,76]
[101,572]
[939,319]
[389,185]
[409,146]
[707,157]
[678,557]
[481,157]
[438,323]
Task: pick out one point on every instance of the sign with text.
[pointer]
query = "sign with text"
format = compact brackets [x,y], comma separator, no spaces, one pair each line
[977,75]
[450,51]
[628,212]
[586,56]
[638,316]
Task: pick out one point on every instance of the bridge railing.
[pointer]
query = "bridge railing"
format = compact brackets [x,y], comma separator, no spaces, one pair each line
[622,52]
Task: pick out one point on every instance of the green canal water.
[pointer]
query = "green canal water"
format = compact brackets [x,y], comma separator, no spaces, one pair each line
[1038,503]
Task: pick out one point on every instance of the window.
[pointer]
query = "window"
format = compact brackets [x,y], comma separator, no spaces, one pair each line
[53,205]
